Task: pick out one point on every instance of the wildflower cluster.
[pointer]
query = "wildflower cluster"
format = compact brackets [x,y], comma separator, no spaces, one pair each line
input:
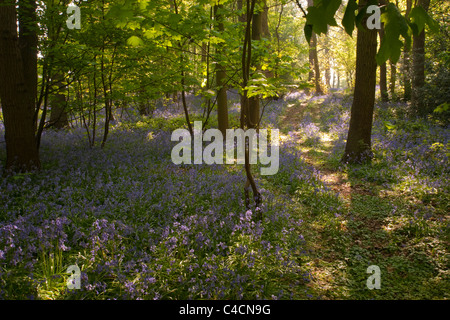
[140,227]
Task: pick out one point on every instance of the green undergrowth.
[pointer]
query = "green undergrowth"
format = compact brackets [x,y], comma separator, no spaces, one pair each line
[375,219]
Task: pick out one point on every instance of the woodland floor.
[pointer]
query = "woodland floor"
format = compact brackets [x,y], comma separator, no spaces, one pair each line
[141,227]
[341,249]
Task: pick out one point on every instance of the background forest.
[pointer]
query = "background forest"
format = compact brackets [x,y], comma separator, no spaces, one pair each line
[87,113]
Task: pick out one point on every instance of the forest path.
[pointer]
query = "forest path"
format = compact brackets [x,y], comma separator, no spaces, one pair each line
[291,120]
[328,237]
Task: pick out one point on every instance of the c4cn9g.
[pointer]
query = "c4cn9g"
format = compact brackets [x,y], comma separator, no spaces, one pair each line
[246,309]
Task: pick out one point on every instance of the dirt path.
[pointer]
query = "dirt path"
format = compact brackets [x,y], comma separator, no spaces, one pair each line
[336,180]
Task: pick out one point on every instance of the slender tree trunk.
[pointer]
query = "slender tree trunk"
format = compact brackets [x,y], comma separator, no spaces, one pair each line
[418,67]
[406,76]
[221,79]
[18,98]
[358,147]
[327,64]
[277,35]
[311,60]
[183,93]
[204,52]
[245,106]
[317,85]
[314,60]
[106,96]
[406,65]
[94,106]
[393,80]
[265,33]
[254,102]
[383,79]
[242,19]
[328,78]
[383,83]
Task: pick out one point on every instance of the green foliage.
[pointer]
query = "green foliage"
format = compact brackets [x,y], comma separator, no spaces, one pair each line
[444,107]
[260,86]
[419,17]
[320,16]
[394,26]
[348,21]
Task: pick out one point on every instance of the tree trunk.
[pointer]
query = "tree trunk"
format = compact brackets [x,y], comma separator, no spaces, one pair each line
[407,63]
[28,41]
[221,79]
[383,79]
[418,67]
[18,98]
[314,60]
[393,80]
[245,105]
[358,146]
[265,33]
[317,85]
[253,102]
[277,35]
[327,63]
[240,6]
[58,114]
[204,52]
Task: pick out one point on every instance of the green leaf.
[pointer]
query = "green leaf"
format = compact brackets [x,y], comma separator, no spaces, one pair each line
[418,18]
[389,125]
[331,7]
[360,16]
[135,41]
[152,33]
[321,15]
[389,49]
[120,13]
[308,32]
[174,18]
[348,21]
[433,24]
[442,107]
[394,26]
[315,18]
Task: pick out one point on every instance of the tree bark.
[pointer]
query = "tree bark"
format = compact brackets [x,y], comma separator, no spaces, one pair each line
[418,67]
[28,41]
[221,79]
[393,80]
[383,83]
[383,79]
[253,102]
[327,63]
[245,107]
[204,52]
[407,63]
[358,146]
[265,33]
[58,113]
[18,98]
[314,60]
